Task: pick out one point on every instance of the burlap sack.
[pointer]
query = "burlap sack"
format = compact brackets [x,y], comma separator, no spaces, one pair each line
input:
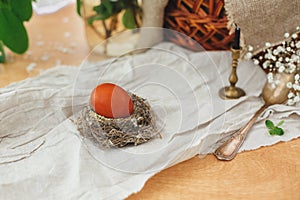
[263,21]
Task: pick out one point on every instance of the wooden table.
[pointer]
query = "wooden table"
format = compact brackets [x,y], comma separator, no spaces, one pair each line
[266,173]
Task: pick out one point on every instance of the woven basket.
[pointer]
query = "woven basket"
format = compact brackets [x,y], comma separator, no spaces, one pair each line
[204,21]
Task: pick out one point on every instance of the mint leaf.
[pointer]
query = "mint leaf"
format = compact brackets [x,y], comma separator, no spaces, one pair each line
[269,124]
[272,132]
[276,131]
[280,123]
[279,131]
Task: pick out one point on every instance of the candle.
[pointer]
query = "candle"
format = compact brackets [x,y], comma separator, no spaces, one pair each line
[236,43]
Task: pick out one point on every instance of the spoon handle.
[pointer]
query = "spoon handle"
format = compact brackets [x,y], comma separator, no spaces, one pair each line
[229,149]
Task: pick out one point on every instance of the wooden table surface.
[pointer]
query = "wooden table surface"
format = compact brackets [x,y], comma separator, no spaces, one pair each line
[267,173]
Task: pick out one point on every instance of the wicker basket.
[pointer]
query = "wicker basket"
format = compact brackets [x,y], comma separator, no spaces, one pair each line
[204,21]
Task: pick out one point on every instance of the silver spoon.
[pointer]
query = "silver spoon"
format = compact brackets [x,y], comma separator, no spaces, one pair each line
[271,95]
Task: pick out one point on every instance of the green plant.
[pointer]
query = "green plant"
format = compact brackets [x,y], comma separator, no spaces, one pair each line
[110,9]
[13,14]
[274,130]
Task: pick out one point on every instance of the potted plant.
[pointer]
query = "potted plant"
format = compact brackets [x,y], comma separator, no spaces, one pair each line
[104,18]
[13,34]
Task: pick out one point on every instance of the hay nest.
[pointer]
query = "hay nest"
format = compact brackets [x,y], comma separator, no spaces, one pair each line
[136,129]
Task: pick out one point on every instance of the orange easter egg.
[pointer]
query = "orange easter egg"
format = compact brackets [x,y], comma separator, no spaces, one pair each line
[111,101]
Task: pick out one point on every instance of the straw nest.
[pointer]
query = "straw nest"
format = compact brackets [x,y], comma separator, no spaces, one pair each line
[136,129]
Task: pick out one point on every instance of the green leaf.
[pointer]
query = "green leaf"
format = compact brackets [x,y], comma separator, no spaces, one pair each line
[102,12]
[280,123]
[78,7]
[269,124]
[276,131]
[2,53]
[12,32]
[91,19]
[4,4]
[21,8]
[108,5]
[135,3]
[128,19]
[117,7]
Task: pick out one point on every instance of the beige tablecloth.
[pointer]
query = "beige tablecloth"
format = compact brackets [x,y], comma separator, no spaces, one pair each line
[42,155]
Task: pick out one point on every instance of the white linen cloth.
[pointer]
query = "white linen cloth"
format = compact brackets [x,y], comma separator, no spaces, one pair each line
[42,155]
[49,6]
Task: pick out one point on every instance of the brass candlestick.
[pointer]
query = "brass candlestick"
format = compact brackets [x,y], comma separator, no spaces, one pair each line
[232,92]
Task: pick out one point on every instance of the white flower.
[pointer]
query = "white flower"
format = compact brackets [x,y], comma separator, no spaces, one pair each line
[268,55]
[297,77]
[292,67]
[294,35]
[281,69]
[270,77]
[290,102]
[294,58]
[280,49]
[256,62]
[291,95]
[248,55]
[298,44]
[278,64]
[292,44]
[250,48]
[286,35]
[289,85]
[266,64]
[275,52]
[268,44]
[287,59]
[296,99]
[296,87]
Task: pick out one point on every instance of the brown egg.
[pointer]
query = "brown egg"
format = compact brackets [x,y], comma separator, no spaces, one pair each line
[112,101]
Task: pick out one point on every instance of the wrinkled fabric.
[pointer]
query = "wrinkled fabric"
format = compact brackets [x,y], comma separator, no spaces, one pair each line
[42,155]
[263,21]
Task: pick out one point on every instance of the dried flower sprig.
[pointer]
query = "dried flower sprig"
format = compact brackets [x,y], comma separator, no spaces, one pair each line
[284,57]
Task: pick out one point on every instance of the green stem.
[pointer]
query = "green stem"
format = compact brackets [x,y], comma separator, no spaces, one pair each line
[2,52]
[95,30]
[113,24]
[107,31]
[133,8]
